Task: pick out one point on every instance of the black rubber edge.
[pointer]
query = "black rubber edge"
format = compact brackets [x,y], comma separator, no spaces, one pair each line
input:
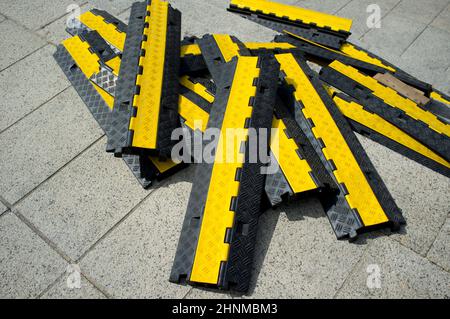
[322,36]
[238,269]
[213,56]
[96,106]
[108,18]
[419,130]
[187,244]
[98,45]
[345,221]
[400,74]
[322,177]
[196,99]
[121,137]
[168,113]
[441,110]
[119,119]
[325,36]
[277,187]
[445,96]
[324,56]
[392,144]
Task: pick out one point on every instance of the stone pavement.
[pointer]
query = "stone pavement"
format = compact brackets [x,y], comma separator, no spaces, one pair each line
[64,201]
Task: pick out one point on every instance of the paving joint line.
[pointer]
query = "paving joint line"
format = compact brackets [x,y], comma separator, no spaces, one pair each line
[424,29]
[435,238]
[100,288]
[382,17]
[336,11]
[187,293]
[58,170]
[120,221]
[56,19]
[36,231]
[420,255]
[353,269]
[54,283]
[24,57]
[5,202]
[34,110]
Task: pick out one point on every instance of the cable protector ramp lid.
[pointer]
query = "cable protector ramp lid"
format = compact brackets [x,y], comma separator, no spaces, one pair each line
[362,54]
[363,201]
[299,170]
[146,106]
[395,108]
[111,29]
[78,57]
[381,131]
[218,49]
[323,28]
[217,240]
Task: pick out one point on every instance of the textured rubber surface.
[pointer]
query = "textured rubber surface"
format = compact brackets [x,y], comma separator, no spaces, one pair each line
[293,15]
[358,52]
[238,269]
[277,187]
[387,103]
[119,119]
[95,104]
[114,32]
[440,97]
[218,49]
[105,79]
[295,156]
[146,113]
[363,201]
[301,166]
[191,57]
[441,110]
[379,130]
[323,55]
[323,36]
[217,242]
[111,29]
[85,49]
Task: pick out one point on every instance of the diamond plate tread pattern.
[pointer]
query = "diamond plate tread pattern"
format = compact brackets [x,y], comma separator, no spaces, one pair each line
[187,244]
[213,55]
[238,268]
[322,36]
[381,131]
[76,28]
[305,150]
[379,188]
[168,115]
[345,221]
[153,111]
[399,148]
[95,103]
[419,130]
[119,118]
[99,45]
[109,18]
[277,187]
[105,79]
[219,212]
[293,15]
